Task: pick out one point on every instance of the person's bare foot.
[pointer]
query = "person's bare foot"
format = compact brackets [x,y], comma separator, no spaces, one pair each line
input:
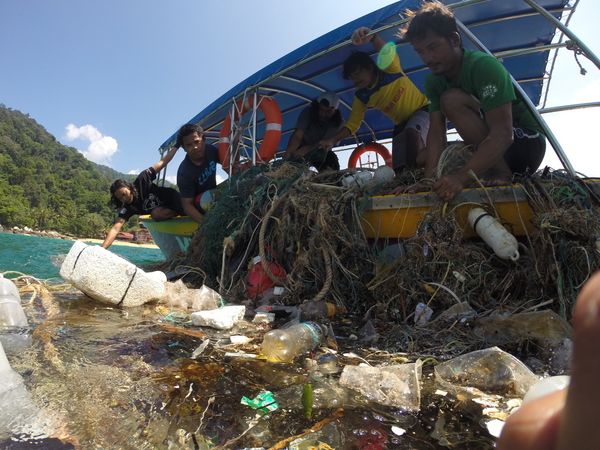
[566,420]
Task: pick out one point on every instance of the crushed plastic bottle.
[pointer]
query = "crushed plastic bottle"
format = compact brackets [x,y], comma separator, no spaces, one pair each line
[284,344]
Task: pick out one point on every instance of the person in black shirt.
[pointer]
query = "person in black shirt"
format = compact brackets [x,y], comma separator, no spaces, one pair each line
[144,197]
[197,172]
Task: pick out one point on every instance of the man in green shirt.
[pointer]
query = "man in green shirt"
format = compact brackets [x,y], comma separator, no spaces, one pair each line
[474,91]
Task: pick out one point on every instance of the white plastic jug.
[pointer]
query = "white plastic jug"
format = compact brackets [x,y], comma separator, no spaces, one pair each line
[503,243]
[11,311]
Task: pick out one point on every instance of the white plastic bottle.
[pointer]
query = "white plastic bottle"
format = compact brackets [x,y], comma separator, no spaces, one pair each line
[11,311]
[9,379]
[283,345]
[503,243]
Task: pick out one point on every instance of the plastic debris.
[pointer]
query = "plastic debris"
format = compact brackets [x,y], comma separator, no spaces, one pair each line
[489,370]
[457,311]
[396,386]
[422,314]
[547,386]
[178,295]
[503,243]
[200,349]
[283,345]
[222,319]
[11,311]
[239,340]
[108,278]
[264,402]
[263,318]
[543,325]
[495,427]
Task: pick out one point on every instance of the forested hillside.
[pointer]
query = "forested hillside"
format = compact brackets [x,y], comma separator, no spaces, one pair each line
[48,186]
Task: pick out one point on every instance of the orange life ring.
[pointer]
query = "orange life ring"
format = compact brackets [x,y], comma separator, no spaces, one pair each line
[376,147]
[272,136]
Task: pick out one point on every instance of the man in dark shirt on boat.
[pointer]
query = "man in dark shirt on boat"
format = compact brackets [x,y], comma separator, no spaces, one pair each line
[384,86]
[321,120]
[474,91]
[198,171]
[144,197]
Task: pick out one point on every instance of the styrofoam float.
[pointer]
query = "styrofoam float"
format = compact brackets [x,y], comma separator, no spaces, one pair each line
[108,278]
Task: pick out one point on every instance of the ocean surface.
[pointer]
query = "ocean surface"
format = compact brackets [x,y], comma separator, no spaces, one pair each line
[41,257]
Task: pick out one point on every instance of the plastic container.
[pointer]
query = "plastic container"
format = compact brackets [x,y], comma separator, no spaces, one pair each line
[383,174]
[284,344]
[503,243]
[11,311]
[9,379]
[358,179]
[258,281]
[319,310]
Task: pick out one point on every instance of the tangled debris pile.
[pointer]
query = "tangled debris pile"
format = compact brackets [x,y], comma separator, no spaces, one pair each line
[310,226]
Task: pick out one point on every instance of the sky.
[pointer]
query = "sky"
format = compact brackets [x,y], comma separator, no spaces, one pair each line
[114,79]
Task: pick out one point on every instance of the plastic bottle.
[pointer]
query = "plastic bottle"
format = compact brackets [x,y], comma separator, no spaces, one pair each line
[319,310]
[357,179]
[503,243]
[8,377]
[284,344]
[11,311]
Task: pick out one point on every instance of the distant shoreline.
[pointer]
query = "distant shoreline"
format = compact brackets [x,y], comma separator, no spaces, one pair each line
[56,235]
[117,242]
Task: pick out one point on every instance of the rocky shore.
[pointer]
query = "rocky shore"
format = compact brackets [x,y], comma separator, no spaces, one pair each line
[56,235]
[30,232]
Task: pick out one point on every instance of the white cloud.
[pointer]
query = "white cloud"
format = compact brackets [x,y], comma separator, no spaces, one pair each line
[100,148]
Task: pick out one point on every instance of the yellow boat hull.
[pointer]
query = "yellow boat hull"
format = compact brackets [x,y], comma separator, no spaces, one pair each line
[394,216]
[173,235]
[399,216]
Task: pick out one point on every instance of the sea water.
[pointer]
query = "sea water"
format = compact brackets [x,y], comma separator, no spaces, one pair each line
[98,376]
[41,257]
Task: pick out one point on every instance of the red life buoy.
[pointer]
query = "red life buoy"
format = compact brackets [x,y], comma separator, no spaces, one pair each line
[273,120]
[380,149]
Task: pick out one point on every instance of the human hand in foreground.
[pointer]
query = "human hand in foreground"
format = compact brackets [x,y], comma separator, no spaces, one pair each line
[421,186]
[568,419]
[359,37]
[448,187]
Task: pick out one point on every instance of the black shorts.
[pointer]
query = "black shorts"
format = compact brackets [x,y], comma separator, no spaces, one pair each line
[171,199]
[527,150]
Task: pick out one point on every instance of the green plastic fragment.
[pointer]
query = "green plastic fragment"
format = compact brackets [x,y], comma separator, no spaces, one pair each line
[307,400]
[264,402]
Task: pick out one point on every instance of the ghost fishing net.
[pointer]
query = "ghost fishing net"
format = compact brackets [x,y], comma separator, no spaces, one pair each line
[310,226]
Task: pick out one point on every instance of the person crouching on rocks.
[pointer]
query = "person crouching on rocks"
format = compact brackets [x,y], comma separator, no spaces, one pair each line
[144,197]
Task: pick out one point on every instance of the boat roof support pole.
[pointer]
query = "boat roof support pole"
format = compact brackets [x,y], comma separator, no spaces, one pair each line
[558,24]
[549,135]
[254,112]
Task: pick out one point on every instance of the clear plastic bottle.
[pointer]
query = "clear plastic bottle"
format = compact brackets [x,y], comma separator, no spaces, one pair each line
[319,310]
[11,311]
[284,344]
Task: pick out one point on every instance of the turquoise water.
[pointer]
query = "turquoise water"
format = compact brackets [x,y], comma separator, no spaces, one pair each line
[40,257]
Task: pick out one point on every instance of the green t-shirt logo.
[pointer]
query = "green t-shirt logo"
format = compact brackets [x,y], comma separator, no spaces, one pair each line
[489,91]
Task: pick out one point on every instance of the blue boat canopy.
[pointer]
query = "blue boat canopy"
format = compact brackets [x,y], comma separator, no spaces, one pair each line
[510,29]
